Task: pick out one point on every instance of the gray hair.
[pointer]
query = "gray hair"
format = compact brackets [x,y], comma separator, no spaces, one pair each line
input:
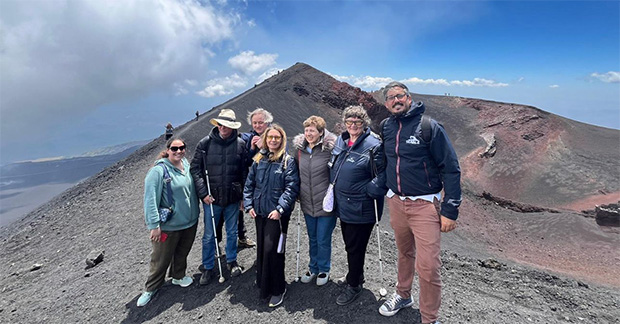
[259,110]
[395,84]
[356,112]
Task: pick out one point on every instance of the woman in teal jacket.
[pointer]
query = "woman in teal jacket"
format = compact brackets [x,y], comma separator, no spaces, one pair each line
[171,240]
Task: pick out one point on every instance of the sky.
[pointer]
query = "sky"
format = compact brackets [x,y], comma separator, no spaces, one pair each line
[80,75]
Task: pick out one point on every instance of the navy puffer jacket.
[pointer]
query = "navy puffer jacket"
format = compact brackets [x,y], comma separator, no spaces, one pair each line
[356,185]
[415,167]
[271,185]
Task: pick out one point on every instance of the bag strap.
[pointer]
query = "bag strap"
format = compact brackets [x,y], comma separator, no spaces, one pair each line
[167,180]
[427,132]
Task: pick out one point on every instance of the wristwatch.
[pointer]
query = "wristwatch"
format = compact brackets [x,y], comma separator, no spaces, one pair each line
[280,209]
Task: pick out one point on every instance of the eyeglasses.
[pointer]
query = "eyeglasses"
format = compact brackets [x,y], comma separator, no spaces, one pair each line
[274,137]
[398,96]
[357,123]
[177,148]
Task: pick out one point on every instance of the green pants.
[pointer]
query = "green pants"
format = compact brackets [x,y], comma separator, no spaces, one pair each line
[173,252]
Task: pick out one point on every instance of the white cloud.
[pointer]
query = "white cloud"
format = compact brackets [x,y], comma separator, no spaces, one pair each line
[366,82]
[223,86]
[609,77]
[63,58]
[520,79]
[267,74]
[369,82]
[251,23]
[554,86]
[249,63]
[417,81]
[479,82]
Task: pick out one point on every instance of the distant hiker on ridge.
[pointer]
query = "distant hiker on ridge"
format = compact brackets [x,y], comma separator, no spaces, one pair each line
[197,115]
[173,238]
[222,154]
[420,163]
[169,131]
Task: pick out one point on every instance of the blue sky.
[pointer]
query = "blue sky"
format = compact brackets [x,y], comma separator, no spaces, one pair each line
[79,75]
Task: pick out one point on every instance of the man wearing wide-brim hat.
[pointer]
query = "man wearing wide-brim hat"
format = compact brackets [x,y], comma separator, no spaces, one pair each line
[223,154]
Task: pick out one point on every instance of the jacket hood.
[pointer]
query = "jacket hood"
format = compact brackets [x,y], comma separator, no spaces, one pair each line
[416,109]
[328,141]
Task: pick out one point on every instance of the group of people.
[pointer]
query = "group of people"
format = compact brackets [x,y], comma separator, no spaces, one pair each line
[411,162]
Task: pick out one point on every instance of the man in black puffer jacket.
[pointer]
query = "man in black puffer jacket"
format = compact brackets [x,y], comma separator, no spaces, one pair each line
[417,170]
[222,153]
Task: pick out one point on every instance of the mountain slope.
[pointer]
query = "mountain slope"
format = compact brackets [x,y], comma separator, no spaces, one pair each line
[105,213]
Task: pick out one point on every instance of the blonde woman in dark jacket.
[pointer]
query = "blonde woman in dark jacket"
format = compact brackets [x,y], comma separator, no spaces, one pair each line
[313,152]
[271,188]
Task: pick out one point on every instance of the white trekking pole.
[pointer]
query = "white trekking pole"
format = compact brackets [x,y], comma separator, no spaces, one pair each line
[217,248]
[382,291]
[298,235]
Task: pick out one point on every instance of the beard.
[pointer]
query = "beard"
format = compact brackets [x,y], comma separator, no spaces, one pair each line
[400,112]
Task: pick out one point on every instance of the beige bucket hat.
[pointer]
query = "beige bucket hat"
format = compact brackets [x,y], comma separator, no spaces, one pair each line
[226,118]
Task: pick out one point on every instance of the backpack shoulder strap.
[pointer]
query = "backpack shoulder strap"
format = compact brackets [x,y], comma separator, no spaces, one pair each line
[167,180]
[381,125]
[427,132]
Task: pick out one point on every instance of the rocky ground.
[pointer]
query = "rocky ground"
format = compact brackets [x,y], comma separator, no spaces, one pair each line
[477,288]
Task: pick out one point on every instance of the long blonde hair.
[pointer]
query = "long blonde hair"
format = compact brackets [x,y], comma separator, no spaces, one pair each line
[280,152]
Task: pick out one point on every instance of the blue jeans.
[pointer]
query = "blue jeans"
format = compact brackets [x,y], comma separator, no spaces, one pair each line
[230,213]
[320,231]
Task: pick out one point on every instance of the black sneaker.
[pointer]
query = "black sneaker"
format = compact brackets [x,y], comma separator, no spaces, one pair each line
[349,295]
[245,243]
[206,277]
[275,301]
[234,268]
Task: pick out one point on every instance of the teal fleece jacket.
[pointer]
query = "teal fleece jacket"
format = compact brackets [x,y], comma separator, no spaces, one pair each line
[186,207]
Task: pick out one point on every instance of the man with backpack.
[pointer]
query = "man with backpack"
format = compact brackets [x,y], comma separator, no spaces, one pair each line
[420,163]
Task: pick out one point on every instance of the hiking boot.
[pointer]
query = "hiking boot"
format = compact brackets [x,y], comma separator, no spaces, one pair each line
[234,268]
[307,277]
[275,301]
[349,295]
[322,278]
[184,282]
[394,304]
[245,243]
[435,322]
[145,298]
[206,277]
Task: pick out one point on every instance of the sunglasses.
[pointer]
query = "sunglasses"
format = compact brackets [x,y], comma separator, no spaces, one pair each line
[273,137]
[177,148]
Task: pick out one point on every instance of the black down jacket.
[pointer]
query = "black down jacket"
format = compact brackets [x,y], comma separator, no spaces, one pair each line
[226,161]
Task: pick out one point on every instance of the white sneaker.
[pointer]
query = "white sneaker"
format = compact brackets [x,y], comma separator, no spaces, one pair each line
[322,278]
[185,282]
[307,277]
